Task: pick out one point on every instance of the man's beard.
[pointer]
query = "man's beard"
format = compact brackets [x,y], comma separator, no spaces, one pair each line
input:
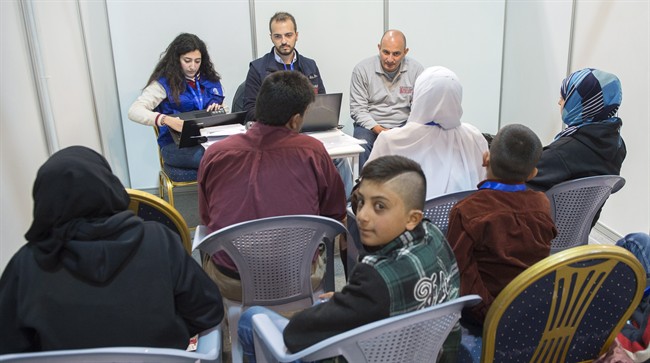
[281,51]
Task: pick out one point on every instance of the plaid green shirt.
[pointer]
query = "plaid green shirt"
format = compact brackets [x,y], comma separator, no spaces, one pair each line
[419,269]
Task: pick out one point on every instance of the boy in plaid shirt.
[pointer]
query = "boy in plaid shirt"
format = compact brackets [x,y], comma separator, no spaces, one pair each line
[410,265]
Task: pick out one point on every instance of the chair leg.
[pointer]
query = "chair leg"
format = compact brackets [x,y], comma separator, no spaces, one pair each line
[161,181]
[236,352]
[170,193]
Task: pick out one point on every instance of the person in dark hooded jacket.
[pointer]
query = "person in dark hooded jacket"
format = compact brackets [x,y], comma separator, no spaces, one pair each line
[591,144]
[95,275]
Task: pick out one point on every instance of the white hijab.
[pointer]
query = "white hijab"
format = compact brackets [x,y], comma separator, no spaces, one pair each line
[450,152]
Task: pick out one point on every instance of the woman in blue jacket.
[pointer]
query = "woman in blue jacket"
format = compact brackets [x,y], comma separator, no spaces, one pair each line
[184,80]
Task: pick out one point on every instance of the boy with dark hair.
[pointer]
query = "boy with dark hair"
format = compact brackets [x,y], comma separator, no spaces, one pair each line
[271,170]
[503,228]
[284,56]
[408,253]
[289,91]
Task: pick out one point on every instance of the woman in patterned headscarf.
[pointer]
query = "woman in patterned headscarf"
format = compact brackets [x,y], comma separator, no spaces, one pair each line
[591,144]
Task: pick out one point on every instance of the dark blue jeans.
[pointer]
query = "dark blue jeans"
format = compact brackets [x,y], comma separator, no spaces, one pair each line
[186,158]
[639,245]
[345,171]
[363,133]
[245,328]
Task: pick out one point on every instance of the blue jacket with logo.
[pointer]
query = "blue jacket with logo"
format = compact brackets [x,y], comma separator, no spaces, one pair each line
[190,100]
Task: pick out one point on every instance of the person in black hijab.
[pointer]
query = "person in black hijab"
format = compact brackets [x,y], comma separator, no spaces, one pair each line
[95,275]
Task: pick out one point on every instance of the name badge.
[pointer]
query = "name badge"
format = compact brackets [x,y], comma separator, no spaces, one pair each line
[406,90]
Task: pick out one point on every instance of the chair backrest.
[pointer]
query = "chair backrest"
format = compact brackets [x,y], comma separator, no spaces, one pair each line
[574,204]
[238,99]
[151,208]
[208,350]
[437,209]
[355,247]
[274,256]
[411,337]
[566,308]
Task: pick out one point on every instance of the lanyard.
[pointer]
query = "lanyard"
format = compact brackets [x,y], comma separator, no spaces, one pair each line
[502,187]
[198,99]
[290,66]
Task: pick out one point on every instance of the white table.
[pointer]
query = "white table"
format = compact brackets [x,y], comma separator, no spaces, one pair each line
[341,145]
[337,143]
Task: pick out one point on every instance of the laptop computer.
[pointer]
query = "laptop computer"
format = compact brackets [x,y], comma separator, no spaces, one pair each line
[323,113]
[196,120]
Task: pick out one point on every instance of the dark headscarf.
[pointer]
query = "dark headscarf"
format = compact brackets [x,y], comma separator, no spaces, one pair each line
[76,199]
[590,96]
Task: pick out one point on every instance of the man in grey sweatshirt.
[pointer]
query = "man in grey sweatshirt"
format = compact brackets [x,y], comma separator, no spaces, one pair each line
[381,90]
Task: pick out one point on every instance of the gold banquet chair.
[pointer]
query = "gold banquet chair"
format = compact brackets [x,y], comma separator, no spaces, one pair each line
[151,208]
[569,307]
[171,177]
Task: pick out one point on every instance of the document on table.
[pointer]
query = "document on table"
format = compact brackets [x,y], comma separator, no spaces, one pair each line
[217,133]
[335,138]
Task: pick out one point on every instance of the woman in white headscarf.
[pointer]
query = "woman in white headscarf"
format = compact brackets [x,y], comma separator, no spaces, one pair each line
[450,152]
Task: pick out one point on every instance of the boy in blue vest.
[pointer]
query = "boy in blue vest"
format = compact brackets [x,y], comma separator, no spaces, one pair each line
[408,256]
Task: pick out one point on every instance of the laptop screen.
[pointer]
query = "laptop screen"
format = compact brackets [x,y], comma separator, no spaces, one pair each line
[191,127]
[323,114]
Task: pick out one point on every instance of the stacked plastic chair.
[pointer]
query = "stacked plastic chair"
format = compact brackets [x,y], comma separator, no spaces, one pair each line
[437,209]
[412,337]
[208,350]
[274,258]
[574,205]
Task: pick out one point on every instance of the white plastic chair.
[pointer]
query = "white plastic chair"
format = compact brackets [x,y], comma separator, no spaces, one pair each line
[274,258]
[412,337]
[355,247]
[437,209]
[574,205]
[208,350]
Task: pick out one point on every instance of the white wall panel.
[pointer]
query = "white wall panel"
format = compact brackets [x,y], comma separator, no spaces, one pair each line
[142,30]
[66,70]
[102,78]
[22,142]
[464,36]
[535,61]
[615,36]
